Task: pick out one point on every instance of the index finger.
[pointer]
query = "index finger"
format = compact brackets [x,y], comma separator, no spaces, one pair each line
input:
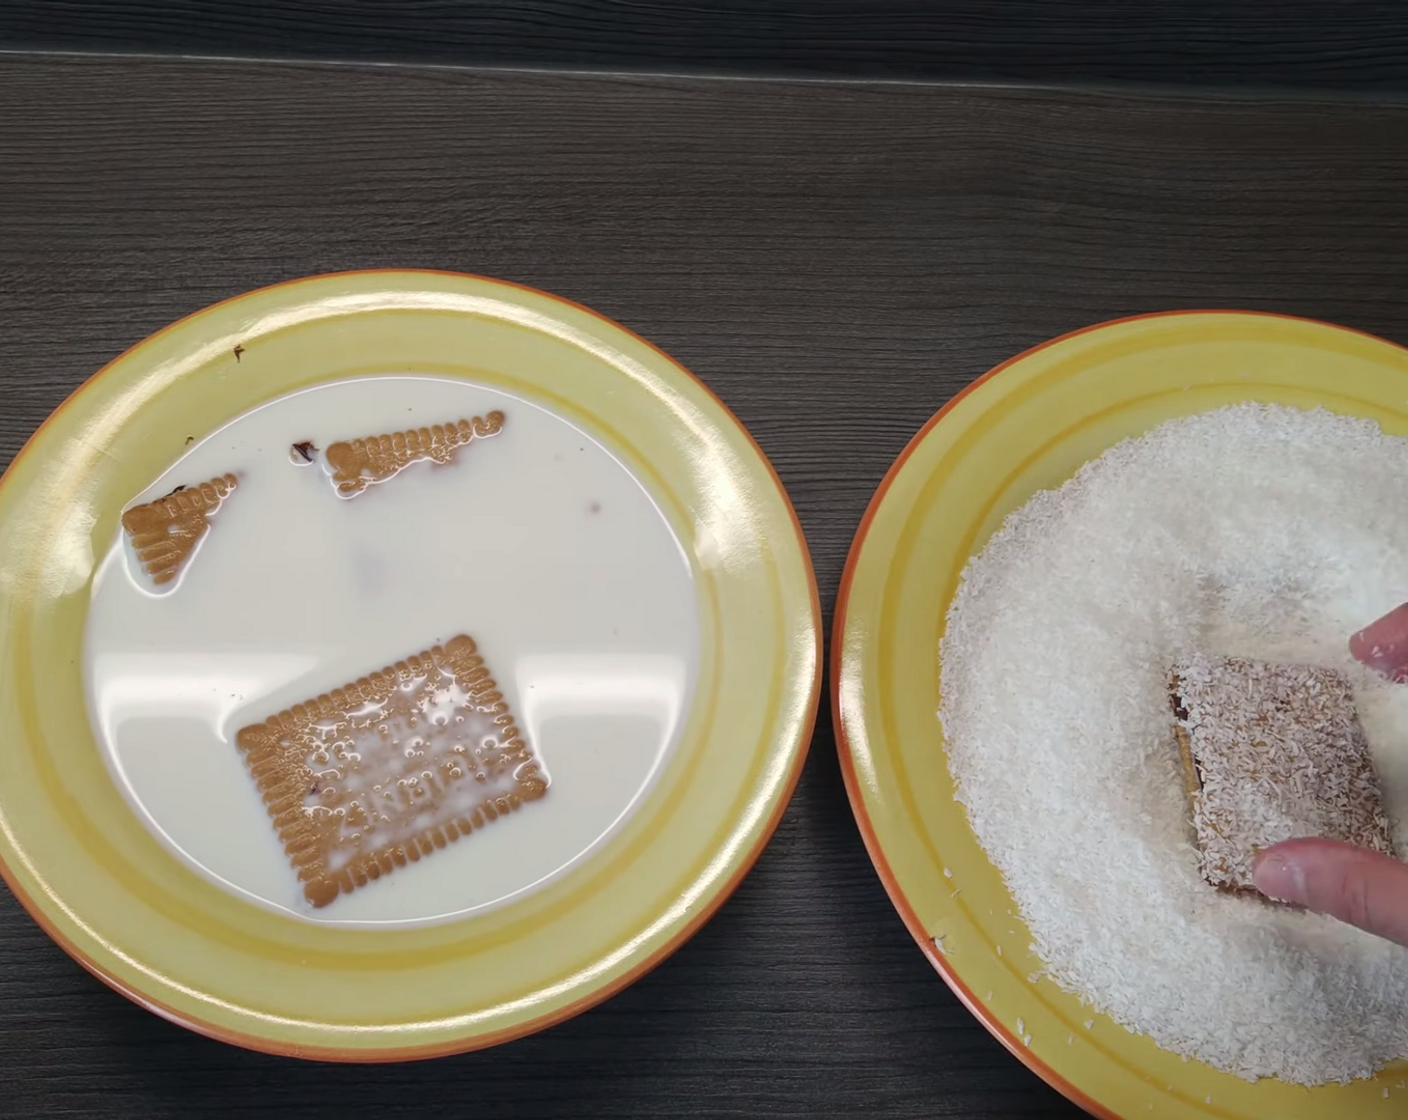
[1383,644]
[1366,889]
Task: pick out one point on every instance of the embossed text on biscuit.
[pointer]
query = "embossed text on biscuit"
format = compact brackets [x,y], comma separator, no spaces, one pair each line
[386,769]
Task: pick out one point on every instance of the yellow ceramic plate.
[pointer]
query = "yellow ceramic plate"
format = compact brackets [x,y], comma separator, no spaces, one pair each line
[97,881]
[1027,426]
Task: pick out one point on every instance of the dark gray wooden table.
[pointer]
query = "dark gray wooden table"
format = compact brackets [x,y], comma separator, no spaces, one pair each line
[835,260]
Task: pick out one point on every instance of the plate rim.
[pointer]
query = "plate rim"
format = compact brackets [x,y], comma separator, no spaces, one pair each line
[838,664]
[708,908]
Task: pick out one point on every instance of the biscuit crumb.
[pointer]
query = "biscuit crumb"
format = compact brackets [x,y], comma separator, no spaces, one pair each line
[302,452]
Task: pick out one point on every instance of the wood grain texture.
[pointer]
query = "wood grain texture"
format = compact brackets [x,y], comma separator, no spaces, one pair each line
[835,261]
[1344,44]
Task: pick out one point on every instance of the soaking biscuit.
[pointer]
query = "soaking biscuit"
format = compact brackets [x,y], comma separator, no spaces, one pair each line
[165,532]
[385,770]
[1271,752]
[357,464]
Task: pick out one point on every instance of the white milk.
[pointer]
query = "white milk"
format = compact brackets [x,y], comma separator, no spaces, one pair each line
[537,542]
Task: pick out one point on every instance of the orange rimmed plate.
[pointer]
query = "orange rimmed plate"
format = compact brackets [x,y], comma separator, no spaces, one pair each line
[1028,425]
[103,887]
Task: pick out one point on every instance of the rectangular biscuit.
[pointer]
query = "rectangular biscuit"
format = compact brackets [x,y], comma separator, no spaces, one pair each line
[386,769]
[1271,752]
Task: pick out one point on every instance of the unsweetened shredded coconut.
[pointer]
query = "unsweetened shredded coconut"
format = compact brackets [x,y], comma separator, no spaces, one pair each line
[1252,531]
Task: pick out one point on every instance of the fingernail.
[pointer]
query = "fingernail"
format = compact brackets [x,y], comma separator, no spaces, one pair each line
[1280,878]
[1387,658]
[1373,650]
[1383,644]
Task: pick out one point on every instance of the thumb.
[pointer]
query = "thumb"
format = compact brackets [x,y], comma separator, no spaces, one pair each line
[1364,888]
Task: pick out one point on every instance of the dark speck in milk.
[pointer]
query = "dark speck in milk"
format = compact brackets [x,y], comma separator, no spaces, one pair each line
[595,507]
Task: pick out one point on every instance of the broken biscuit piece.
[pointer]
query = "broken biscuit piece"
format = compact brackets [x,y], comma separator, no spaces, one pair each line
[165,532]
[356,464]
[385,770]
[1271,752]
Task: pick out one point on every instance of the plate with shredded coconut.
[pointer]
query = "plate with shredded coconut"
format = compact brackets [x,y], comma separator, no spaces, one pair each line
[1078,590]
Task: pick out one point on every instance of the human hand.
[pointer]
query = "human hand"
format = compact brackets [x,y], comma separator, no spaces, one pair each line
[1364,888]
